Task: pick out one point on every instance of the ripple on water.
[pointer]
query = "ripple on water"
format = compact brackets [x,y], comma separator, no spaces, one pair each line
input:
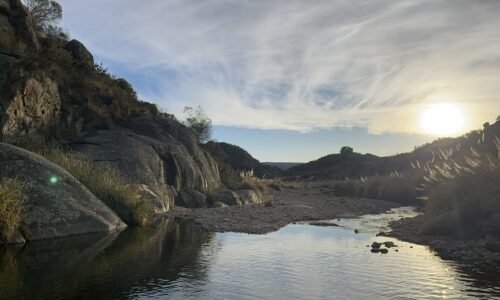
[297,262]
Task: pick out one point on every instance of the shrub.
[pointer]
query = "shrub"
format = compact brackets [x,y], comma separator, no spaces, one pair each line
[199,123]
[105,182]
[250,182]
[347,188]
[11,206]
[269,201]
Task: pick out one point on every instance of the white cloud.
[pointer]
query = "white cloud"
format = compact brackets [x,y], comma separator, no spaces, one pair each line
[303,64]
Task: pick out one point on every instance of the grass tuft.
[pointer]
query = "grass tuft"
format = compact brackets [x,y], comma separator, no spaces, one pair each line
[11,206]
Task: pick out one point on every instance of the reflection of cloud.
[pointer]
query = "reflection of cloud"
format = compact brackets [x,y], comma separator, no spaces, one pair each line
[303,64]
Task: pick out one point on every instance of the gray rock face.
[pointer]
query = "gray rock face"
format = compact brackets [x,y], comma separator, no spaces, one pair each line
[32,111]
[250,197]
[55,203]
[191,199]
[156,153]
[15,20]
[80,53]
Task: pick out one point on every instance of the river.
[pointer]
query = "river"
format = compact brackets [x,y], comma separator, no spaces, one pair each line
[174,260]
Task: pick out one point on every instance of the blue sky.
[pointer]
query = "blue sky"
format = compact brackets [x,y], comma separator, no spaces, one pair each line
[296,80]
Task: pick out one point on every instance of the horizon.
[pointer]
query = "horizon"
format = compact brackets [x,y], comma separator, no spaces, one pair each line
[337,74]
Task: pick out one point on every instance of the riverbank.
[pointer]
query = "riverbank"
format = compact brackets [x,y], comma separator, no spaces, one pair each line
[290,205]
[482,255]
[319,203]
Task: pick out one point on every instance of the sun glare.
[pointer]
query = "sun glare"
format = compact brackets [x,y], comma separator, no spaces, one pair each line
[442,119]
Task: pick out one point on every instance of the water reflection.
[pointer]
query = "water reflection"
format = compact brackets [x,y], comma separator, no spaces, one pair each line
[103,267]
[174,260]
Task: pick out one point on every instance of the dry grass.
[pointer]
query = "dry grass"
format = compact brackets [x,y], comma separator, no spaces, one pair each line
[250,182]
[11,206]
[105,182]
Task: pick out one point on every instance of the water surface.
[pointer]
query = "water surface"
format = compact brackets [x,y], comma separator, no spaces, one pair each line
[176,261]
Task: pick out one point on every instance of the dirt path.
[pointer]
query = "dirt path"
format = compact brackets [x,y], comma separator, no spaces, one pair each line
[290,205]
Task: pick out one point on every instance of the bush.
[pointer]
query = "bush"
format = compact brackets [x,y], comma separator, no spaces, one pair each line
[253,183]
[104,182]
[347,188]
[199,123]
[11,206]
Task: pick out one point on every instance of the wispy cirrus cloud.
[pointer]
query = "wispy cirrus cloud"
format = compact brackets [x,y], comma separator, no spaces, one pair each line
[302,65]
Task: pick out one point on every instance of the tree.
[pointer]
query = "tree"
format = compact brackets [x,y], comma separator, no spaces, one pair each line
[198,122]
[346,150]
[45,14]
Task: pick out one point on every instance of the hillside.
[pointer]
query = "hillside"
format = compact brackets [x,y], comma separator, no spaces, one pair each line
[356,165]
[283,166]
[233,159]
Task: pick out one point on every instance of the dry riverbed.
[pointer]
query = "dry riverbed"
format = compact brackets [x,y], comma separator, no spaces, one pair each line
[290,205]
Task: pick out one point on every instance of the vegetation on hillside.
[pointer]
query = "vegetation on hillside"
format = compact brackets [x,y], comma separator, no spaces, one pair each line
[459,185]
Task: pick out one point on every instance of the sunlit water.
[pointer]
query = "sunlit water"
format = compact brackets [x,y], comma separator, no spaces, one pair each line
[175,261]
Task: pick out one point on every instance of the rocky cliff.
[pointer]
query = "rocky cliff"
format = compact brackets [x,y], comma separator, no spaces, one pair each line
[51,92]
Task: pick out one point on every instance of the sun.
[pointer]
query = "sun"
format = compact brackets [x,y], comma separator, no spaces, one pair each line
[442,119]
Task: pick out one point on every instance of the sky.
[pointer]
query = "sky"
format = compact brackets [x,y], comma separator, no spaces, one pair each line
[296,80]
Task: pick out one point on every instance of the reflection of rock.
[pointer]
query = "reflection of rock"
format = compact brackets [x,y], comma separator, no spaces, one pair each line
[42,268]
[104,267]
[323,224]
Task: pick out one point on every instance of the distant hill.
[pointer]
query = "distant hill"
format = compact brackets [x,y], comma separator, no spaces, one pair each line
[356,165]
[233,159]
[282,165]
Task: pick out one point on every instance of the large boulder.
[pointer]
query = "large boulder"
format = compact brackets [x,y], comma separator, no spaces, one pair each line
[191,199]
[157,153]
[228,197]
[34,108]
[80,53]
[55,203]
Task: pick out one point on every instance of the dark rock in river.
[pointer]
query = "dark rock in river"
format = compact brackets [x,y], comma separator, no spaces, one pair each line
[376,245]
[55,203]
[389,244]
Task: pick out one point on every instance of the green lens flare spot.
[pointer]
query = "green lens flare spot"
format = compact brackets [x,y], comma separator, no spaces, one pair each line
[53,180]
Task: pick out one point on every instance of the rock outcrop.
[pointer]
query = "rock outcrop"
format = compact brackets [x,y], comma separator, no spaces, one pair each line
[34,108]
[160,154]
[16,21]
[80,53]
[55,203]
